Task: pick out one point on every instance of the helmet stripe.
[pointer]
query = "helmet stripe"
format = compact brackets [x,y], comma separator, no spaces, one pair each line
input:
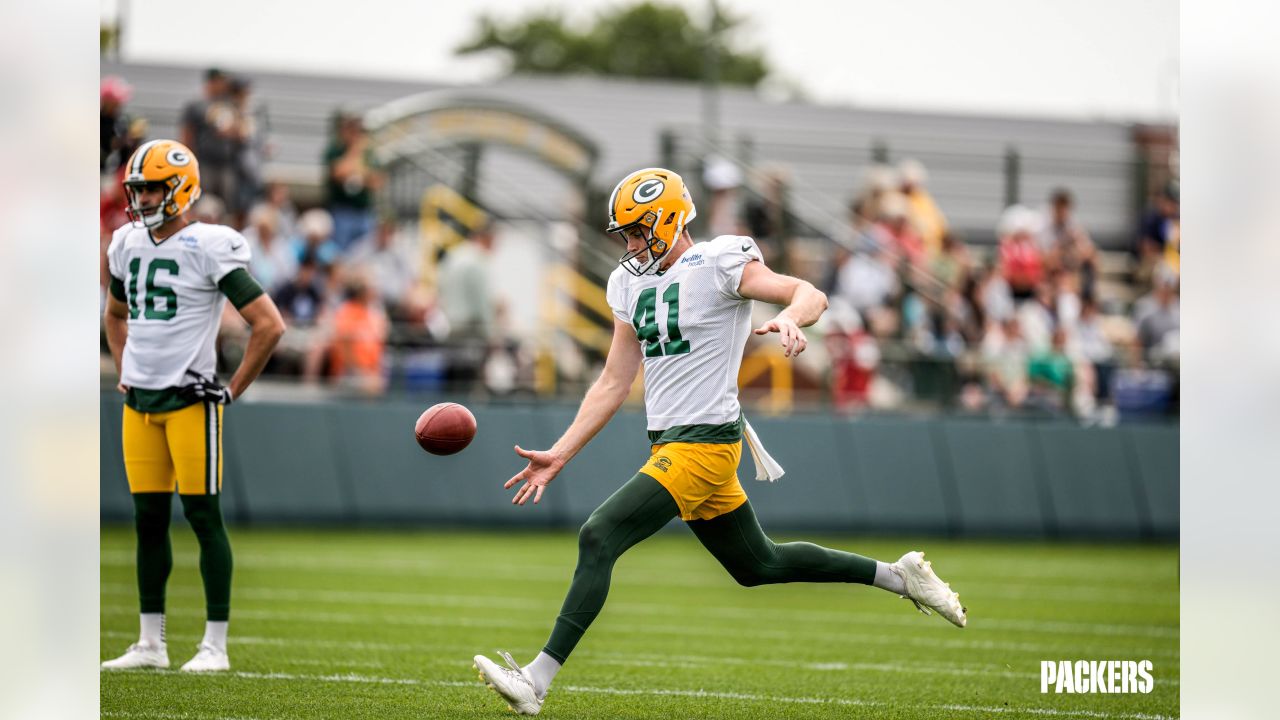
[140,157]
[613,200]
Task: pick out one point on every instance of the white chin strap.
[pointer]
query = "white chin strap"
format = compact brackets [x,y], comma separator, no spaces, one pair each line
[647,267]
[155,219]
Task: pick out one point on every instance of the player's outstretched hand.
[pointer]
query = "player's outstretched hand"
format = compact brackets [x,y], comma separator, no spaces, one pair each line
[793,341]
[542,468]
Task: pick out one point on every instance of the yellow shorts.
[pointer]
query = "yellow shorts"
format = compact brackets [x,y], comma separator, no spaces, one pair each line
[181,448]
[702,477]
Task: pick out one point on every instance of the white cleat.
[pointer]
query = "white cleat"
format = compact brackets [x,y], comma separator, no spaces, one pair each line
[140,655]
[927,590]
[511,682]
[208,659]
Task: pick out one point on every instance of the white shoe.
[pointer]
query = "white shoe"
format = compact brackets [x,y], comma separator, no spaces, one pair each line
[208,659]
[511,682]
[140,655]
[927,590]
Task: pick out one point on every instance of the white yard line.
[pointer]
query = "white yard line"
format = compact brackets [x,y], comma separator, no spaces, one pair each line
[1039,649]
[152,715]
[661,692]
[852,617]
[664,660]
[1073,590]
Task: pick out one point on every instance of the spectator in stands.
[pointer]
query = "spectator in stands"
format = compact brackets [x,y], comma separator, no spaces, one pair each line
[272,261]
[210,209]
[895,222]
[111,206]
[878,180]
[301,299]
[1065,243]
[208,127]
[1158,232]
[250,146]
[1093,346]
[113,123]
[1067,298]
[278,197]
[854,353]
[315,236]
[1051,374]
[867,283]
[467,300]
[351,178]
[860,234]
[358,337]
[1021,263]
[1037,318]
[952,264]
[1157,316]
[465,295]
[766,219]
[946,322]
[1006,357]
[723,180]
[392,267]
[925,216]
[991,296]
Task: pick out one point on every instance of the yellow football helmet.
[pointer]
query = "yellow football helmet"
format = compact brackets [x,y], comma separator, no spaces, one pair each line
[655,201]
[165,163]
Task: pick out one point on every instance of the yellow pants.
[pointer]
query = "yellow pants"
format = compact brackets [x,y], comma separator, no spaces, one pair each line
[702,477]
[182,448]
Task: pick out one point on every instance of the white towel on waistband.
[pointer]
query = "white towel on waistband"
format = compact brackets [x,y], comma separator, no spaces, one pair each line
[766,467]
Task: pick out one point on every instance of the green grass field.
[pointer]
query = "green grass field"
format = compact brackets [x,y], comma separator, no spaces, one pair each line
[345,625]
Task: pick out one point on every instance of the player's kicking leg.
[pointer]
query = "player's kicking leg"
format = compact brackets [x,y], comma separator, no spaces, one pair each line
[736,540]
[637,510]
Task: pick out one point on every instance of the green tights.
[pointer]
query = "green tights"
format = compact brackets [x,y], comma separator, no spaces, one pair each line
[155,555]
[643,506]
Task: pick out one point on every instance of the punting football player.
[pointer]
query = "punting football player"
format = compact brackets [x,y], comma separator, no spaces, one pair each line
[170,277]
[684,311]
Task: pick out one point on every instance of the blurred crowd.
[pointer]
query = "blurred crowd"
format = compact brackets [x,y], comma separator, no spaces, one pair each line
[348,282]
[1041,322]
[1036,323]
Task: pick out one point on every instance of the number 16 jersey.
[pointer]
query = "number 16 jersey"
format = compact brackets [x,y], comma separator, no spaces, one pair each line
[171,288]
[692,326]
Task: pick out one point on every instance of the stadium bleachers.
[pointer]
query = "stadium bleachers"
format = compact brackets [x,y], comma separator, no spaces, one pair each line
[827,149]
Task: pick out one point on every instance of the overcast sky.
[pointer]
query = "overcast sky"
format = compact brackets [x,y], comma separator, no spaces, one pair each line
[1115,59]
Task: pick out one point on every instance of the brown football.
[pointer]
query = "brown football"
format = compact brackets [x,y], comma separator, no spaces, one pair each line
[445,429]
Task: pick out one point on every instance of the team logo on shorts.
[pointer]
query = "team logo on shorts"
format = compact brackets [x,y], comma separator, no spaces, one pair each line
[662,462]
[648,191]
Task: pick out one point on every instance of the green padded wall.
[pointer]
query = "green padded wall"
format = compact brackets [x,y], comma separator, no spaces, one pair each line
[357,463]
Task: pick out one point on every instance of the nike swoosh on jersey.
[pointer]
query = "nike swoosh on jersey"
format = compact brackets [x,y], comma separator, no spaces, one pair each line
[746,247]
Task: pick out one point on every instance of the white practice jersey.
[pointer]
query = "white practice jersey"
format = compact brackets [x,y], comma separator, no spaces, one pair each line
[692,326]
[174,301]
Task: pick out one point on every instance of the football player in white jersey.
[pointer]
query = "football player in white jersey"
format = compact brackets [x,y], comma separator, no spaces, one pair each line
[170,278]
[684,311]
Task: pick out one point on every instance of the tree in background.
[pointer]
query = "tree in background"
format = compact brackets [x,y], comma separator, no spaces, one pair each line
[644,40]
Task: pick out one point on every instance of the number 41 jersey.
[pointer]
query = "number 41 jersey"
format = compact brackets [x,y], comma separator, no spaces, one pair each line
[171,288]
[692,326]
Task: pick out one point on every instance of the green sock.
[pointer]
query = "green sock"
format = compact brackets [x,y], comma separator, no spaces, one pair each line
[736,540]
[154,554]
[637,510]
[204,512]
